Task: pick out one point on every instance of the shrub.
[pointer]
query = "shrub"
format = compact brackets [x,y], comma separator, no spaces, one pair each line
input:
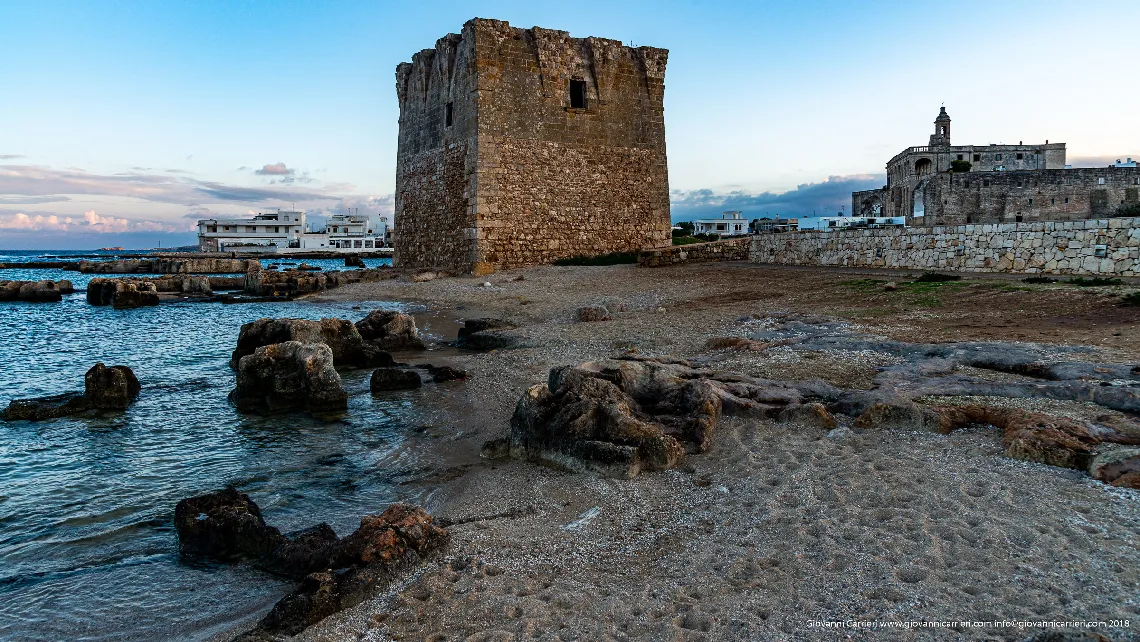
[1128,209]
[934,277]
[1132,299]
[685,240]
[1093,282]
[960,166]
[617,258]
[686,229]
[1038,279]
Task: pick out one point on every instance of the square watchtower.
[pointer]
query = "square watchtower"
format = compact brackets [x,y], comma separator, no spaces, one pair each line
[523,146]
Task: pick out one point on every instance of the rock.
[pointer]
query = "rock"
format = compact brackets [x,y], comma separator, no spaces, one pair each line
[300,553]
[593,313]
[482,334]
[495,449]
[394,379]
[423,277]
[441,374]
[289,376]
[127,294]
[308,268]
[223,525]
[348,348]
[390,330]
[34,291]
[894,415]
[354,260]
[840,434]
[1113,465]
[891,286]
[44,408]
[812,414]
[486,284]
[110,388]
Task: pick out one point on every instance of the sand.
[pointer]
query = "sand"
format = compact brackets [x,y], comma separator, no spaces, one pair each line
[778,527]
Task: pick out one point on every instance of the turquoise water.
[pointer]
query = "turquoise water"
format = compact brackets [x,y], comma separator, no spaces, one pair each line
[87,546]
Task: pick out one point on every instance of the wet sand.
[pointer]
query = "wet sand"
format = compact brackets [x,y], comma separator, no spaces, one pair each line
[778,526]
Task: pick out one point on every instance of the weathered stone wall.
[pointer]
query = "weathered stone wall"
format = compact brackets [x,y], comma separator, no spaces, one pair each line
[434,222]
[1068,247]
[1002,197]
[735,249]
[162,265]
[532,178]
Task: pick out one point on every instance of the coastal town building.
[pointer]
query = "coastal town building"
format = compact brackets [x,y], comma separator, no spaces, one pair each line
[844,222]
[286,231]
[945,184]
[729,224]
[523,146]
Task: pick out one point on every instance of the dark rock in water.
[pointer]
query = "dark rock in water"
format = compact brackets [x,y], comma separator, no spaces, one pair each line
[354,260]
[483,334]
[289,376]
[441,374]
[394,379]
[34,291]
[308,268]
[390,330]
[111,388]
[335,573]
[223,525]
[348,348]
[67,404]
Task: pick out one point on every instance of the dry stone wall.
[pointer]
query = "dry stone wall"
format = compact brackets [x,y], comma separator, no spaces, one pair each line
[1092,247]
[736,249]
[523,174]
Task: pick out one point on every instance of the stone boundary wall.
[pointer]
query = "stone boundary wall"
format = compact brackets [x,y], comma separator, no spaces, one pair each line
[736,249]
[1068,247]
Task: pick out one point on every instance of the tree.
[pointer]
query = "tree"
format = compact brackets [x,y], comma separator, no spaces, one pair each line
[686,229]
[1128,210]
[960,166]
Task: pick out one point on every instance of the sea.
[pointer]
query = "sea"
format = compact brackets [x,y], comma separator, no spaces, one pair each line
[88,549]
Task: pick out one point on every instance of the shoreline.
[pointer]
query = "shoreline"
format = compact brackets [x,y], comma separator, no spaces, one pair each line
[753,538]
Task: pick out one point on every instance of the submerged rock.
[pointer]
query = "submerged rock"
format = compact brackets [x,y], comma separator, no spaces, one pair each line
[390,330]
[223,525]
[348,348]
[485,334]
[289,376]
[105,388]
[354,260]
[394,379]
[441,374]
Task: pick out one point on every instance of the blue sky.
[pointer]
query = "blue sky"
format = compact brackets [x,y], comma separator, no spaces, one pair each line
[127,121]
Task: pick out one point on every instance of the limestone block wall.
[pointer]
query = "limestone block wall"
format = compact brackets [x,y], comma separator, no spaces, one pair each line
[735,249]
[1092,247]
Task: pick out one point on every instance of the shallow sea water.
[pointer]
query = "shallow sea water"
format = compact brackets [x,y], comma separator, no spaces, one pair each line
[87,545]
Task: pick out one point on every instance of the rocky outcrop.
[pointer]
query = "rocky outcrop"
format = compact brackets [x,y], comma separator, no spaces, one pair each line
[164,265]
[348,348]
[442,374]
[299,282]
[113,388]
[34,291]
[1118,466]
[384,379]
[354,260]
[589,313]
[390,330]
[335,573]
[620,417]
[289,376]
[122,293]
[485,334]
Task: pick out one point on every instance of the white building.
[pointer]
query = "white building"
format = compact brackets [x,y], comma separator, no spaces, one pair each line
[841,222]
[284,232]
[729,224]
[265,232]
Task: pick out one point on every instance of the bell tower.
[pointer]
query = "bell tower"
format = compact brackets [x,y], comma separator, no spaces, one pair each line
[941,135]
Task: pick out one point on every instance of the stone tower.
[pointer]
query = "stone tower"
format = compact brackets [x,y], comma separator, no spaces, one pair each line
[941,135]
[522,146]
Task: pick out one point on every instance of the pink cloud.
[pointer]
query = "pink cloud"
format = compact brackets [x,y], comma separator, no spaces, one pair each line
[274,169]
[92,221]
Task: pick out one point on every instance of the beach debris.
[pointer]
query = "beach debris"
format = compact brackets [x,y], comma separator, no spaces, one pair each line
[390,330]
[34,291]
[349,348]
[593,313]
[485,334]
[584,519]
[335,573]
[289,376]
[105,388]
[384,379]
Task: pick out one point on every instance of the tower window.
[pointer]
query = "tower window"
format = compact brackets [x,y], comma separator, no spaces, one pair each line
[577,94]
[1017,218]
[1020,156]
[447,115]
[960,157]
[998,157]
[977,157]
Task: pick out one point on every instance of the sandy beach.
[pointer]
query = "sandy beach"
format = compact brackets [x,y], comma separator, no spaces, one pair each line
[778,529]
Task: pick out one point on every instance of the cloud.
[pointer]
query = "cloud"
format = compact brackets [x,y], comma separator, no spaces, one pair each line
[821,198]
[32,181]
[275,169]
[90,222]
[31,200]
[10,156]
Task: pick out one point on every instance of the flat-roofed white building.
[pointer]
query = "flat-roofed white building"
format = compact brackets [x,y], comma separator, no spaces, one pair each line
[268,231]
[729,224]
[349,232]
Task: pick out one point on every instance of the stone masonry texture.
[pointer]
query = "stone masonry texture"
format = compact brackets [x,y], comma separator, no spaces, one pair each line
[496,166]
[1108,247]
[734,249]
